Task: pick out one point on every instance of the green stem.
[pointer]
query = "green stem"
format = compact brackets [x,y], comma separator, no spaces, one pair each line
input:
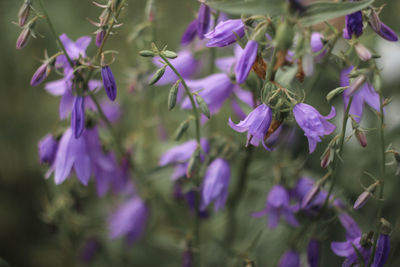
[382,178]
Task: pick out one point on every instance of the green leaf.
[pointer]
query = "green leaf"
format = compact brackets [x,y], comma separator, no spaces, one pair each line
[320,11]
[253,7]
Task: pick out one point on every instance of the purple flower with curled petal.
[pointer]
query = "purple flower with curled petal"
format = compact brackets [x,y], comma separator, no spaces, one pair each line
[278,203]
[313,123]
[129,220]
[366,94]
[190,33]
[256,124]
[109,82]
[47,149]
[215,184]
[354,25]
[203,20]
[225,33]
[313,251]
[246,61]
[382,251]
[291,258]
[179,156]
[78,116]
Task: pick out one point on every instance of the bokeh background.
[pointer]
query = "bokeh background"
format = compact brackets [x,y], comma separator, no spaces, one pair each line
[45,225]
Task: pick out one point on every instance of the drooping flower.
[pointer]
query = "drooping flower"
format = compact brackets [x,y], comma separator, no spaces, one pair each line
[313,123]
[291,258]
[354,25]
[190,33]
[40,74]
[225,33]
[317,45]
[382,251]
[313,252]
[47,149]
[129,220]
[109,82]
[215,184]
[256,124]
[78,116]
[278,204]
[246,61]
[203,20]
[386,32]
[365,94]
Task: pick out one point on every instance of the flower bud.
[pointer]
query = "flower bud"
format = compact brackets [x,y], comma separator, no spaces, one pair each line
[308,64]
[100,37]
[203,20]
[356,84]
[192,163]
[181,130]
[386,227]
[387,33]
[203,106]
[150,10]
[374,21]
[334,93]
[109,82]
[284,36]
[173,93]
[311,194]
[361,138]
[23,38]
[147,53]
[382,251]
[313,252]
[157,76]
[326,158]
[364,197]
[363,53]
[47,149]
[78,116]
[40,74]
[24,12]
[169,54]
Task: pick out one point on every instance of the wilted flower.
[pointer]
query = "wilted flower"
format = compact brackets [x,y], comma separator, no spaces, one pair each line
[109,82]
[47,149]
[256,124]
[203,20]
[313,252]
[129,220]
[291,258]
[215,184]
[225,33]
[354,25]
[365,94]
[278,203]
[313,123]
[246,61]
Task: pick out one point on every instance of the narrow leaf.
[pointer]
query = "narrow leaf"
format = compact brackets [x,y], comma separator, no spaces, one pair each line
[254,7]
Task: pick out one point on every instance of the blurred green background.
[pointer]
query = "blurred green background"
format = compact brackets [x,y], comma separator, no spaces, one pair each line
[27,114]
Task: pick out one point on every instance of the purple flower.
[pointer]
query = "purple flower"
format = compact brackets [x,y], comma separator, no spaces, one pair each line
[351,227]
[215,184]
[74,49]
[23,37]
[225,33]
[354,25]
[100,37]
[313,250]
[89,250]
[256,124]
[129,220]
[78,116]
[40,74]
[47,149]
[346,249]
[290,259]
[246,61]
[190,33]
[366,94]
[203,20]
[185,64]
[313,123]
[278,203]
[109,82]
[382,251]
[317,45]
[386,33]
[180,154]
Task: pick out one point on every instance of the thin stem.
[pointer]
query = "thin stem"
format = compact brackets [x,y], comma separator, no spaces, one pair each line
[382,178]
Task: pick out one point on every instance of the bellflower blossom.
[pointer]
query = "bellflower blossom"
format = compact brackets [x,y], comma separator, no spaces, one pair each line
[180,155]
[129,220]
[203,20]
[47,149]
[78,116]
[382,251]
[75,50]
[313,123]
[354,25]
[225,33]
[291,258]
[215,184]
[365,94]
[317,45]
[246,61]
[278,203]
[256,124]
[109,82]
[387,33]
[190,33]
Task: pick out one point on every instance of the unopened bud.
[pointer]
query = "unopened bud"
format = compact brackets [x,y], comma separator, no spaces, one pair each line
[203,106]
[374,21]
[365,196]
[181,130]
[100,37]
[23,38]
[386,227]
[363,53]
[150,10]
[24,12]
[311,194]
[158,75]
[356,84]
[147,53]
[334,93]
[326,158]
[308,64]
[192,163]
[173,93]
[115,5]
[284,36]
[361,138]
[40,74]
[169,54]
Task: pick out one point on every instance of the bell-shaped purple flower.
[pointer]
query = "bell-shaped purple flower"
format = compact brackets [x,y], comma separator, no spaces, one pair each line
[47,149]
[382,251]
[256,124]
[313,252]
[203,20]
[365,94]
[190,33]
[354,25]
[109,82]
[278,203]
[215,184]
[74,49]
[317,45]
[40,74]
[313,123]
[129,220]
[78,116]
[246,61]
[225,33]
[291,258]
